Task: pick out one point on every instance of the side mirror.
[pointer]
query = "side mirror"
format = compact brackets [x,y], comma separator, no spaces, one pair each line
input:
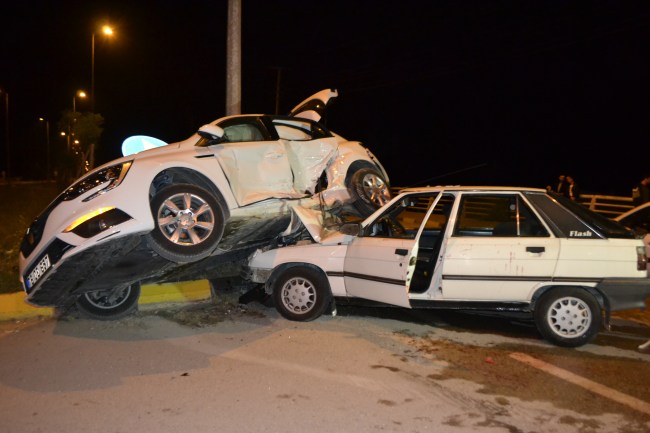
[212,133]
[350,229]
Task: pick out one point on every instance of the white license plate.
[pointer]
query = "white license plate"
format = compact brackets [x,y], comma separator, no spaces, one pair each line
[38,271]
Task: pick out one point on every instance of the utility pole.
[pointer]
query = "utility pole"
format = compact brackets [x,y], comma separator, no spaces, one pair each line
[233,59]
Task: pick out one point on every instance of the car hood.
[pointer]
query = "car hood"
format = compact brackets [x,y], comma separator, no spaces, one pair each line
[321,225]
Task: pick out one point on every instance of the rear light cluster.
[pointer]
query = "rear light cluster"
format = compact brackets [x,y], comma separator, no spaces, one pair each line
[641,259]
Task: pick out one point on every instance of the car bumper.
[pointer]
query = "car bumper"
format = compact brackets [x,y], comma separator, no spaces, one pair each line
[625,293]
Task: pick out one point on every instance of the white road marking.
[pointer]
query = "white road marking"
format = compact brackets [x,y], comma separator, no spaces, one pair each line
[587,384]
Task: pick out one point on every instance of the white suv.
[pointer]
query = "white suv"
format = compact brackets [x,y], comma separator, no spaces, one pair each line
[495,249]
[179,211]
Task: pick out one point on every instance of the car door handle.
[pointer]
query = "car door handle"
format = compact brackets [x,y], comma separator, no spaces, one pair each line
[535,249]
[274,155]
[401,252]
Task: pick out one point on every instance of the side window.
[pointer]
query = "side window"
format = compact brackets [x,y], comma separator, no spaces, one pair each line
[242,132]
[403,219]
[497,215]
[294,130]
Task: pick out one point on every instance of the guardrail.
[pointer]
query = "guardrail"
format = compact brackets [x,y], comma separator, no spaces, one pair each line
[609,205]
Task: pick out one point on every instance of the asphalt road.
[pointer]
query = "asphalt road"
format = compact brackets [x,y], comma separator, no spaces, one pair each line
[225,367]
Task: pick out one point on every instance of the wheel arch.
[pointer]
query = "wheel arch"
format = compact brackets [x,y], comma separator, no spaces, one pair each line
[600,298]
[175,175]
[358,165]
[278,270]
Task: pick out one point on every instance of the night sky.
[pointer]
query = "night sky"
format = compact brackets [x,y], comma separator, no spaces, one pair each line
[443,92]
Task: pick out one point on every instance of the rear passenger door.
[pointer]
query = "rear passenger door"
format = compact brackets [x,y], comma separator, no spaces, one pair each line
[309,148]
[499,249]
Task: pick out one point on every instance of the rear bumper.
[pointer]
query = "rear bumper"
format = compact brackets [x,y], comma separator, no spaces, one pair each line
[625,293]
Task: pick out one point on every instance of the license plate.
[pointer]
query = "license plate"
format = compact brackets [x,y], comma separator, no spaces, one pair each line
[38,271]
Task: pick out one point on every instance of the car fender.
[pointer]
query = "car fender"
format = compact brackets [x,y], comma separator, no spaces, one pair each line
[329,259]
[349,153]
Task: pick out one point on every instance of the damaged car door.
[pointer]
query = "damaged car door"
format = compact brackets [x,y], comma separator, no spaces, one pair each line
[397,249]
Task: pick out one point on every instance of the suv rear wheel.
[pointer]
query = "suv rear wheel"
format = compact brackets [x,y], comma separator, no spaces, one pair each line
[369,190]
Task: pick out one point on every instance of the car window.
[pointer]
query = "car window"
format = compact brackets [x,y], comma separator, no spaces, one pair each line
[498,215]
[299,129]
[404,218]
[242,132]
[570,219]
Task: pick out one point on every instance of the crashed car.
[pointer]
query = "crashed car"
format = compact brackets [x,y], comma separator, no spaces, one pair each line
[517,251]
[187,210]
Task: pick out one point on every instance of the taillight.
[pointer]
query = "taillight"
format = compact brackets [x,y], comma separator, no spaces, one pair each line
[641,259]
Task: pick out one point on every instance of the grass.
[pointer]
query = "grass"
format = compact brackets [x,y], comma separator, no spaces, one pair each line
[21,203]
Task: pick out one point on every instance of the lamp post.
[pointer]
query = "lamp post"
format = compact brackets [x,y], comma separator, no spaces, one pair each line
[81,94]
[8,147]
[47,147]
[108,31]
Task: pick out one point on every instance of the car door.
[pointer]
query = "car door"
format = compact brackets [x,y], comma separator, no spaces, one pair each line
[499,250]
[257,167]
[378,265]
[309,148]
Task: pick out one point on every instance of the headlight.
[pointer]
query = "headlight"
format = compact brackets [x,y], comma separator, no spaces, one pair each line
[111,176]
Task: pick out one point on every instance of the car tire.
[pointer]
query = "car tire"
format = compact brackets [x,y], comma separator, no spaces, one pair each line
[301,294]
[369,190]
[568,317]
[111,304]
[189,222]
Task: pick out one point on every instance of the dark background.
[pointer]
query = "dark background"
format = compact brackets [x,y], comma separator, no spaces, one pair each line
[462,92]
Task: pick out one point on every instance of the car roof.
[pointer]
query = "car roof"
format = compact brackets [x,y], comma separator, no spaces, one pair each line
[470,188]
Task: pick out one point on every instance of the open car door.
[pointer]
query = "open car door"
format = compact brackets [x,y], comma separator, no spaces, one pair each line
[380,264]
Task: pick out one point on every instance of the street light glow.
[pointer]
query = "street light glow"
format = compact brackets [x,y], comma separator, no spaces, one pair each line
[81,94]
[108,31]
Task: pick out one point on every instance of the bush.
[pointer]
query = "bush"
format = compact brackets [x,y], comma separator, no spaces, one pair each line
[21,203]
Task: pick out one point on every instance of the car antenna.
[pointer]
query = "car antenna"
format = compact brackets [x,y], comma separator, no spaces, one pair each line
[426,181]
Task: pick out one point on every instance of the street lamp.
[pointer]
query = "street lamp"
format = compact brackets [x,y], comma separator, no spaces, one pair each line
[6,94]
[47,147]
[81,94]
[108,31]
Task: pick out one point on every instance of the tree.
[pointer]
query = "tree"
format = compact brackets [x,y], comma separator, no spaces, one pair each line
[83,133]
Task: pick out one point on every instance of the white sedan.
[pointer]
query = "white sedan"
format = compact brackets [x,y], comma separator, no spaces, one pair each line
[492,249]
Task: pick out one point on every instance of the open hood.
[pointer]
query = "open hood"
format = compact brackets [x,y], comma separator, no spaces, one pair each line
[313,108]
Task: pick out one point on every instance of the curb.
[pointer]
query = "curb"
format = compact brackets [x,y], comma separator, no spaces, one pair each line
[14,307]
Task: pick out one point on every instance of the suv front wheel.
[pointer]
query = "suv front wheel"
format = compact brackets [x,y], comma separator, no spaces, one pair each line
[189,222]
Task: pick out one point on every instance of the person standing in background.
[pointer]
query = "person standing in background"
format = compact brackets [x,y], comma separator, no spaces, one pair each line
[560,187]
[573,191]
[641,192]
